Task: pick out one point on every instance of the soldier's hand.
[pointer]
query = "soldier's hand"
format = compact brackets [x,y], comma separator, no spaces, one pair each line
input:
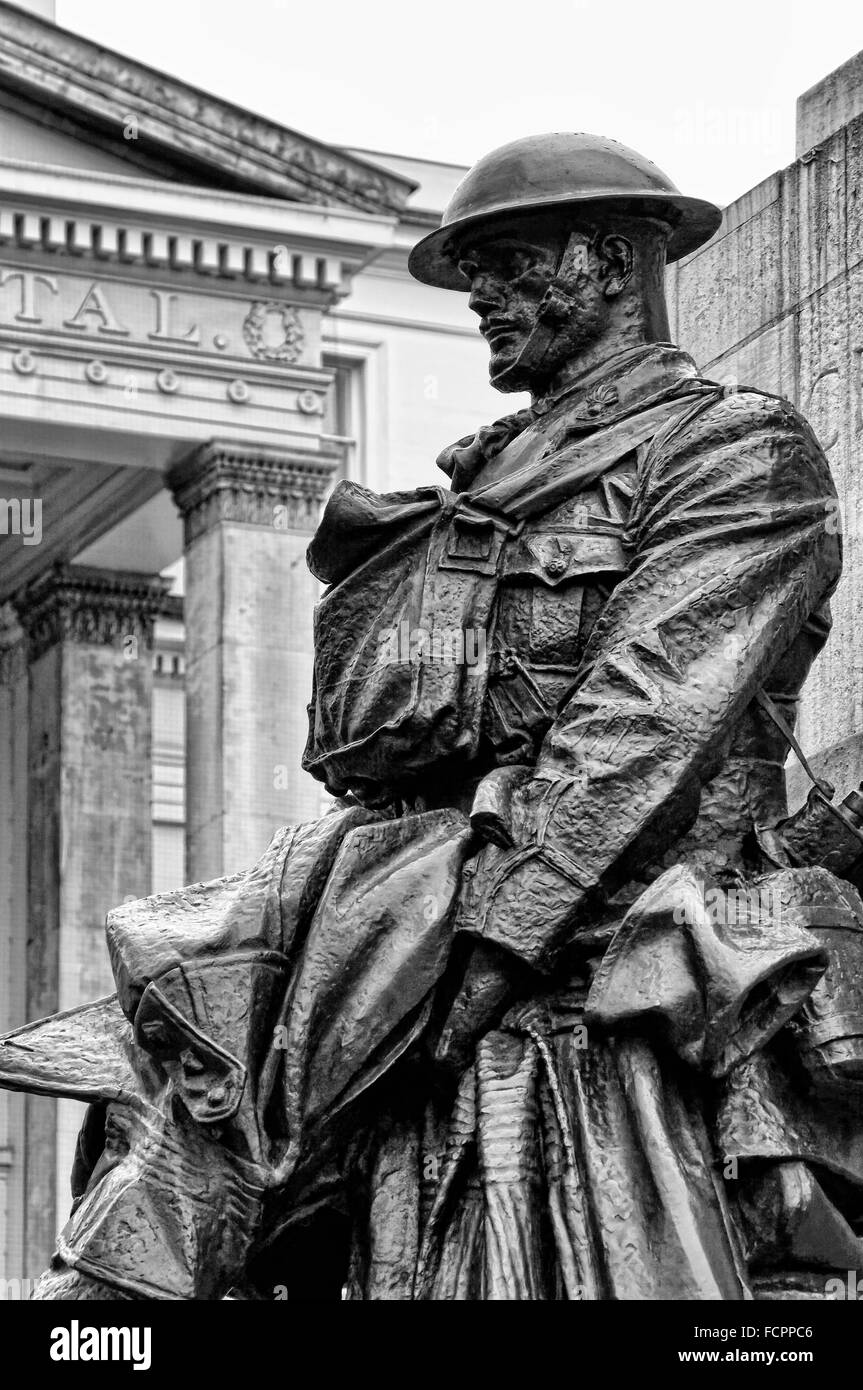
[492,981]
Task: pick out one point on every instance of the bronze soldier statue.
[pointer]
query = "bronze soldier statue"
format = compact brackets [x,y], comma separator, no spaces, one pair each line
[557,1002]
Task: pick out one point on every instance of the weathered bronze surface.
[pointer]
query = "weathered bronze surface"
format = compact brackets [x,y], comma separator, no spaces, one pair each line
[558,1002]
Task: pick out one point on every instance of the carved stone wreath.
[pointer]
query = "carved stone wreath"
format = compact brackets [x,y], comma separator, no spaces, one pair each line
[293,338]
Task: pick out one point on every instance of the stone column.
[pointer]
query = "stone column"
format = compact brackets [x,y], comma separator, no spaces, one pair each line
[13,925]
[88,823]
[249,513]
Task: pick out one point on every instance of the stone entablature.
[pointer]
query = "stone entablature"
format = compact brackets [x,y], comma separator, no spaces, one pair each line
[108,326]
[134,323]
[142,223]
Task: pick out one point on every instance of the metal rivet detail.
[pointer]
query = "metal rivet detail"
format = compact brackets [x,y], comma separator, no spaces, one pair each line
[310,403]
[238,392]
[96,372]
[168,381]
[24,362]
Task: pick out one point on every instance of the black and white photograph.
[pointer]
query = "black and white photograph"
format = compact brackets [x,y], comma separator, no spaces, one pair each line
[431,675]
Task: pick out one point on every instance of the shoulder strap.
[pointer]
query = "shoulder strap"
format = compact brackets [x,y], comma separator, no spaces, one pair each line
[823,790]
[546,482]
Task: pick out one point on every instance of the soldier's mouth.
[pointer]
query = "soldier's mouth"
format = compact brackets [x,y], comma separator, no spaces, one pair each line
[492,329]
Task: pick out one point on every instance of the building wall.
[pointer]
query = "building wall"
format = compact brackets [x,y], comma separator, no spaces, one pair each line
[776,301]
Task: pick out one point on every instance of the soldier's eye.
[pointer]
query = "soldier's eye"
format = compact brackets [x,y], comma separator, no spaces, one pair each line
[520,262]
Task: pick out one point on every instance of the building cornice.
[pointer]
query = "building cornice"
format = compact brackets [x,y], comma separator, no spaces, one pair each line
[100,89]
[74,603]
[224,481]
[137,222]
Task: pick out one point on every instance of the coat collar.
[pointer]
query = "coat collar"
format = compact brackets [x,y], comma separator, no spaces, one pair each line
[622,384]
[626,380]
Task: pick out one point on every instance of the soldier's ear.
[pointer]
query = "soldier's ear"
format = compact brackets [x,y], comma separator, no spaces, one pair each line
[617,262]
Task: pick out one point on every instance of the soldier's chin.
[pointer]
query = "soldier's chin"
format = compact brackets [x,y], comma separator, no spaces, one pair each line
[506,374]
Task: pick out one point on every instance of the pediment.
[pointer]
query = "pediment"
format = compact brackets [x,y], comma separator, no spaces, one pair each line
[60,82]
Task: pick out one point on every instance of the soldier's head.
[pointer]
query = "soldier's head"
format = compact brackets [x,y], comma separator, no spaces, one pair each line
[554,290]
[561,242]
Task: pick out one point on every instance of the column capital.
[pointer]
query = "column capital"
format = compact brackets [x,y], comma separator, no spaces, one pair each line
[252,484]
[74,603]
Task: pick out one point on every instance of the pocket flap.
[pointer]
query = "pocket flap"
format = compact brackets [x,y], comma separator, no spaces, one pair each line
[564,553]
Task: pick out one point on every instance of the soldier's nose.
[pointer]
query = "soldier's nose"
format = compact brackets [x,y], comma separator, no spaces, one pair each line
[484,296]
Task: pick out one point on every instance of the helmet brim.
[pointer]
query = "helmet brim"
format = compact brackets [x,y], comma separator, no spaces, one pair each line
[692,221]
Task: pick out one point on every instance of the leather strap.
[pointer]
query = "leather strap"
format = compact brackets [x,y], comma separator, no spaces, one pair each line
[823,790]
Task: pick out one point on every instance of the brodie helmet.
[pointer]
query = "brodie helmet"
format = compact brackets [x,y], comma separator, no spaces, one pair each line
[542,172]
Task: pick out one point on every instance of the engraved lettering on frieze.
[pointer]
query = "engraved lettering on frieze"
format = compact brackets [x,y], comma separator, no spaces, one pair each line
[273,332]
[96,305]
[165,325]
[27,280]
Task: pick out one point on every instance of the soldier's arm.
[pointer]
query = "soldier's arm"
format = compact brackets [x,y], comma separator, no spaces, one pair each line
[734,543]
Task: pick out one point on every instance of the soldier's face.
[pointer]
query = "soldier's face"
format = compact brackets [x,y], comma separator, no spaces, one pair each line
[509,273]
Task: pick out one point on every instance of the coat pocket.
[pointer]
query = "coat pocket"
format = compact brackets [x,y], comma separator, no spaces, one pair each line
[555,555]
